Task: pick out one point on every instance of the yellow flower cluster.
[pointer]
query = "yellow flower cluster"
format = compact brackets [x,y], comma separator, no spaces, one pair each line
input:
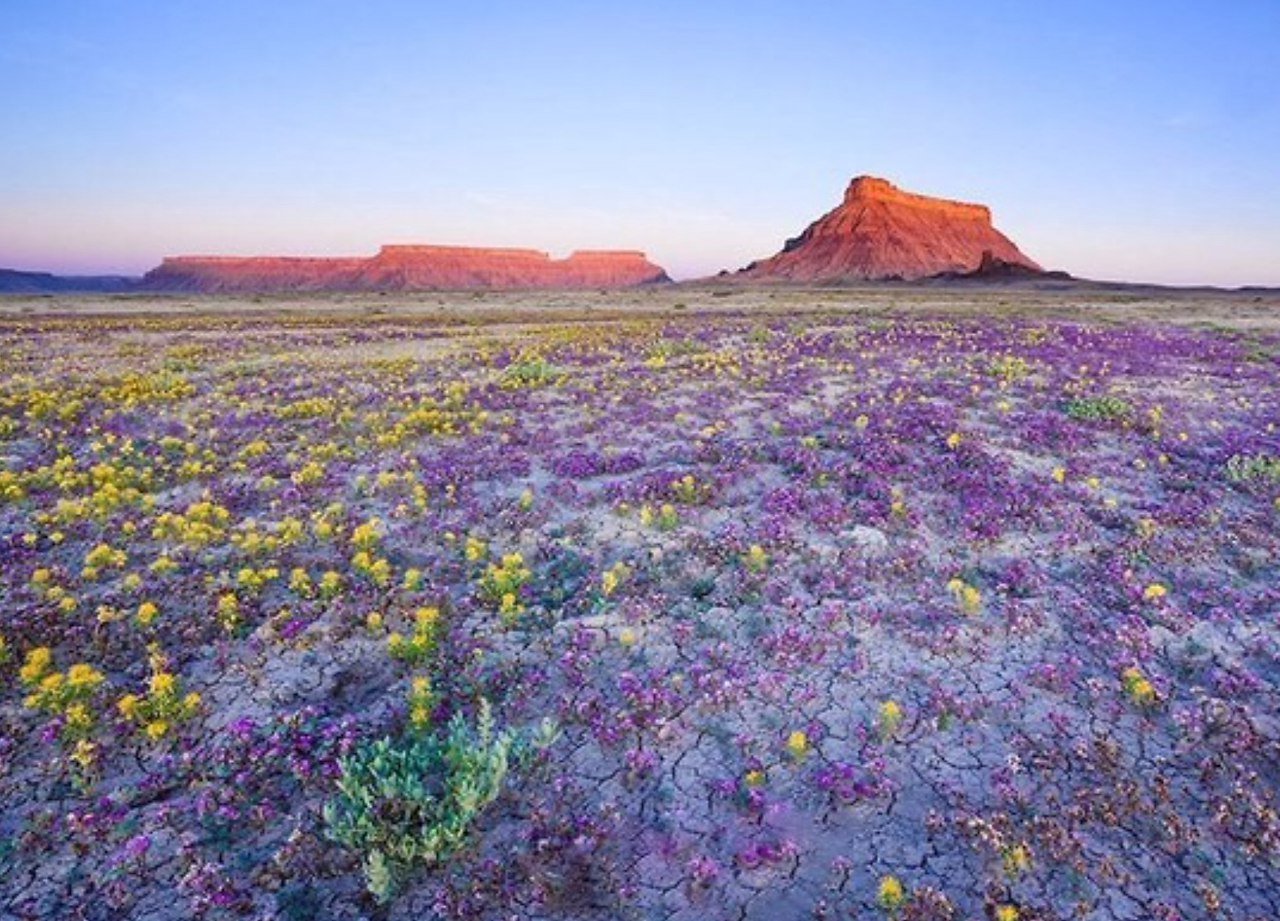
[330,584]
[969,597]
[139,389]
[688,490]
[101,557]
[756,559]
[376,569]
[366,536]
[164,706]
[666,518]
[308,474]
[202,524]
[1140,690]
[612,578]
[300,583]
[66,695]
[421,645]
[890,718]
[421,703]
[252,580]
[798,744]
[430,417]
[147,613]
[1016,859]
[502,582]
[890,895]
[228,611]
[475,549]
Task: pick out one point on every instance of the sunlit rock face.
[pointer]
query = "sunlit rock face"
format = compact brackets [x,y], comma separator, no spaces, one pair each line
[407,268]
[880,232]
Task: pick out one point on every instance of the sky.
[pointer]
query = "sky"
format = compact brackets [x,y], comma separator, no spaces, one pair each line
[1134,140]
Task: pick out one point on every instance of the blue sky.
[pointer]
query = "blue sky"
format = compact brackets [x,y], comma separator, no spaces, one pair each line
[1118,140]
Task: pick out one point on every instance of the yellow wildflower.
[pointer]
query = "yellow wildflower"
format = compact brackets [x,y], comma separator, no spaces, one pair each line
[798,744]
[1140,690]
[890,718]
[163,683]
[85,754]
[38,662]
[147,613]
[84,677]
[890,894]
[78,718]
[1016,859]
[476,550]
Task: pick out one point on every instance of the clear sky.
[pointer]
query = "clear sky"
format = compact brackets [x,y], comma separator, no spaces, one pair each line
[1132,140]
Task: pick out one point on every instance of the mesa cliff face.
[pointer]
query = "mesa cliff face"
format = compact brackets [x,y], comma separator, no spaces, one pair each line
[880,232]
[407,268]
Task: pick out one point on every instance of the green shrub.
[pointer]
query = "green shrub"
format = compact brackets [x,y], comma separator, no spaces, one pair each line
[1242,468]
[531,372]
[1099,409]
[411,801]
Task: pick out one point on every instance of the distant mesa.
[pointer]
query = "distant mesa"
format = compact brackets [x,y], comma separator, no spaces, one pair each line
[407,268]
[13,281]
[880,232]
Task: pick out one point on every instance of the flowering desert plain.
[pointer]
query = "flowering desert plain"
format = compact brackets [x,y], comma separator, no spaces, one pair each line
[684,604]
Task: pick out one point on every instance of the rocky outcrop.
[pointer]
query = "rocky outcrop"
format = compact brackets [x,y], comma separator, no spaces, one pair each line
[407,268]
[880,232]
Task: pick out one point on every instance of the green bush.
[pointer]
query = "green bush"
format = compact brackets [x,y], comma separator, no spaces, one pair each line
[532,372]
[411,801]
[1243,468]
[1099,409]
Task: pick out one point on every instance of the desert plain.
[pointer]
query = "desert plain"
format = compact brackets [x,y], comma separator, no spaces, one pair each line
[699,602]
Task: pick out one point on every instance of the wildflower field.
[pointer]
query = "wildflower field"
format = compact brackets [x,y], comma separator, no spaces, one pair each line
[686,615]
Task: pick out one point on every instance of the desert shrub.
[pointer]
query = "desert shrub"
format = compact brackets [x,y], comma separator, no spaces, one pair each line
[410,801]
[1243,468]
[531,372]
[1098,409]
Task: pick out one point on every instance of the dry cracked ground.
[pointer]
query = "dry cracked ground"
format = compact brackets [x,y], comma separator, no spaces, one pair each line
[833,605]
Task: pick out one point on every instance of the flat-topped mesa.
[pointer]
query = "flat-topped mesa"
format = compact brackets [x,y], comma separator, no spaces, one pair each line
[408,267]
[870,188]
[217,274]
[880,232]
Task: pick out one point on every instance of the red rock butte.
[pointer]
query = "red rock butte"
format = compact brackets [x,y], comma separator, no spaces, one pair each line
[407,268]
[880,232]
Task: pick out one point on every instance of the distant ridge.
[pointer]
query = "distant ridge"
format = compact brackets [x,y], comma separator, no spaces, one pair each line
[407,268]
[13,281]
